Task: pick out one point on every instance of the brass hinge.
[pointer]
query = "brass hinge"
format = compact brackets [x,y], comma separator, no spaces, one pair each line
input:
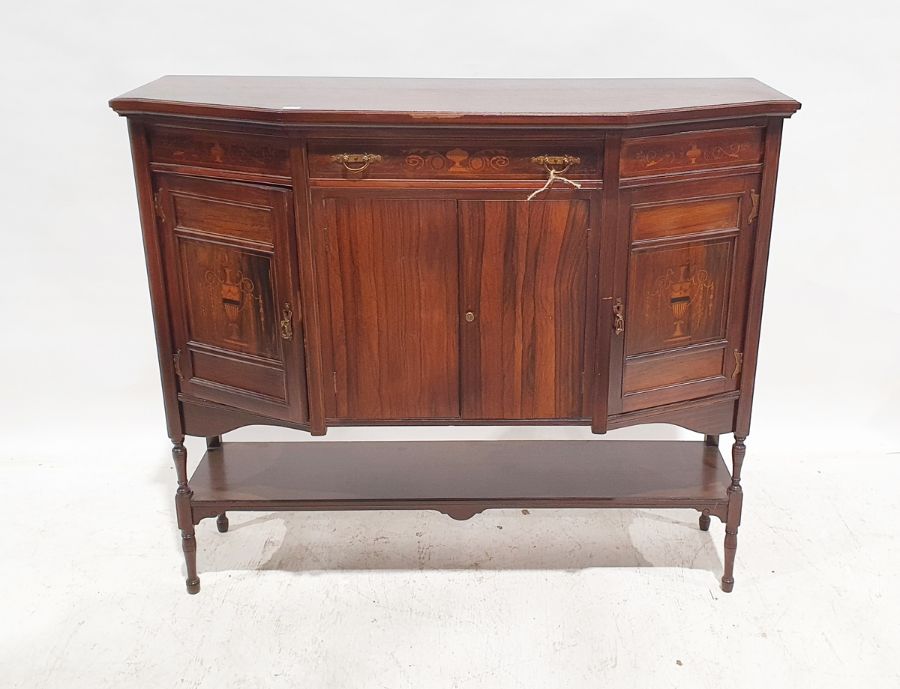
[334,381]
[176,360]
[754,205]
[738,364]
[158,206]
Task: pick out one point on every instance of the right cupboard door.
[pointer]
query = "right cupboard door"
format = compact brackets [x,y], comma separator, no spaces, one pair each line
[688,256]
[524,277]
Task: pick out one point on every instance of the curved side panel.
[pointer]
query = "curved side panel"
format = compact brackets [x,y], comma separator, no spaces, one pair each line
[711,418]
[205,419]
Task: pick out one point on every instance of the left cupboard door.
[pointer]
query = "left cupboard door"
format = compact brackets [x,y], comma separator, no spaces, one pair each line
[233,293]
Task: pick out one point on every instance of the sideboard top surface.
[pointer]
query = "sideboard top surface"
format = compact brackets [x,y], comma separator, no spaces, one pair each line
[396,101]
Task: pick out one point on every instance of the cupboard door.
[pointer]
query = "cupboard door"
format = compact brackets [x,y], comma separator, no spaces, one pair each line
[524,276]
[233,293]
[394,305]
[688,254]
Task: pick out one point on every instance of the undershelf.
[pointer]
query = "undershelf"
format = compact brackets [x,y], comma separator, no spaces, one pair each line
[459,478]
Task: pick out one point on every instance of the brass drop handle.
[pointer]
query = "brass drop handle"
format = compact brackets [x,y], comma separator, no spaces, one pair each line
[350,159]
[550,163]
[287,326]
[469,316]
[619,316]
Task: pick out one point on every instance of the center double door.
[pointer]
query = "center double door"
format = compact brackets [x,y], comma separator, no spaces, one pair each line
[439,306]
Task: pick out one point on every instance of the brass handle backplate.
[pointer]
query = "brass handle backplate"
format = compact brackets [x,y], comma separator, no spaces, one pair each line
[363,160]
[619,316]
[552,162]
[469,316]
[287,326]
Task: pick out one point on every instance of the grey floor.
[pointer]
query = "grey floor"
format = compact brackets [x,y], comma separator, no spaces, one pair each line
[93,587]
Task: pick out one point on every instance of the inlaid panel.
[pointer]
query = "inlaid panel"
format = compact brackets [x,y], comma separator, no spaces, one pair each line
[263,155]
[678,295]
[393,292]
[451,160]
[688,151]
[524,273]
[229,297]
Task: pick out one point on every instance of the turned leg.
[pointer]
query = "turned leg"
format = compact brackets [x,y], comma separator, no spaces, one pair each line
[711,440]
[185,516]
[704,520]
[735,502]
[222,522]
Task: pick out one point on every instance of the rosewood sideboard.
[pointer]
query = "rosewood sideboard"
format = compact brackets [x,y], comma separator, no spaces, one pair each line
[328,252]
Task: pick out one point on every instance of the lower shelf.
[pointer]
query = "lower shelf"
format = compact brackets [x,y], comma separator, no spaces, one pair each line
[459,478]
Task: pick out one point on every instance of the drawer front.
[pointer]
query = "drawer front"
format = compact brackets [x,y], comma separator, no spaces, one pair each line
[685,152]
[451,160]
[260,155]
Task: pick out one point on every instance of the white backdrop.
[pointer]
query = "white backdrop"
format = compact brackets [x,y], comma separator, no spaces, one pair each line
[77,352]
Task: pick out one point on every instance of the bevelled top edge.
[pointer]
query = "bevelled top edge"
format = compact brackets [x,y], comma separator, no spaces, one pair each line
[348,100]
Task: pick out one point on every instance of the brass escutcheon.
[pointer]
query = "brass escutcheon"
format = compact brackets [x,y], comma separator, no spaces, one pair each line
[287,326]
[619,316]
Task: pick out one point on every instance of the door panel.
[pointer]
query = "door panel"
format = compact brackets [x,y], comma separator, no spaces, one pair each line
[231,282]
[394,307]
[524,279]
[678,294]
[688,251]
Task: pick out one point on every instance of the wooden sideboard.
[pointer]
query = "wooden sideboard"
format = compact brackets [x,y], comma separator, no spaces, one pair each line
[327,252]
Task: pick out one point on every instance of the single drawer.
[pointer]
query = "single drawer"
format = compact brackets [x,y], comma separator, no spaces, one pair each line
[250,153]
[452,160]
[658,155]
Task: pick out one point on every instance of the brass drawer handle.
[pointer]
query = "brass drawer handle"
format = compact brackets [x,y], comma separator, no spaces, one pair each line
[619,316]
[350,159]
[551,162]
[287,325]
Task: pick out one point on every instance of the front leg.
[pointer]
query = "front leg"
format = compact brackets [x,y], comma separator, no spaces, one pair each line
[735,503]
[185,515]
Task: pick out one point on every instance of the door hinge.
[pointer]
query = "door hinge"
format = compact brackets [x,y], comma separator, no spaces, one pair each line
[334,381]
[158,207]
[176,361]
[738,364]
[754,205]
